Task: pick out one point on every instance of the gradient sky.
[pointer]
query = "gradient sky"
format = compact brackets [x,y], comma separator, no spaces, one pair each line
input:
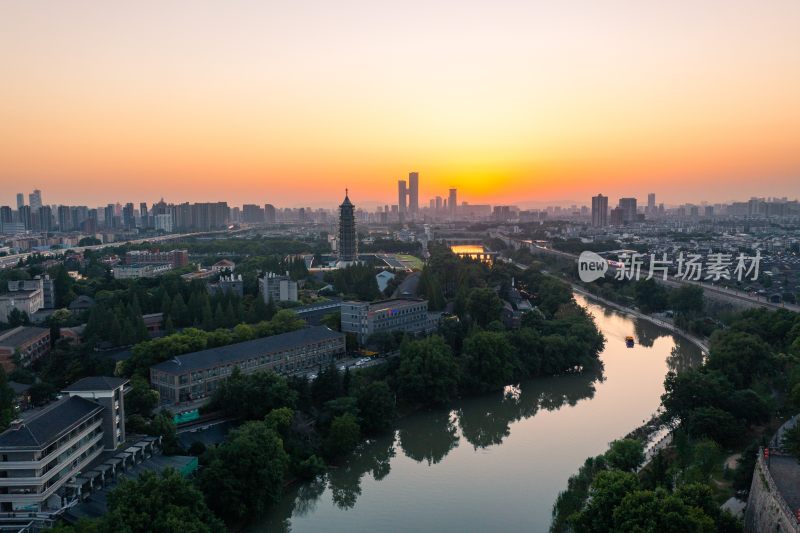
[289,102]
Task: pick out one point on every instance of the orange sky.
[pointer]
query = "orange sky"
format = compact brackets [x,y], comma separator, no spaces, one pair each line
[291,102]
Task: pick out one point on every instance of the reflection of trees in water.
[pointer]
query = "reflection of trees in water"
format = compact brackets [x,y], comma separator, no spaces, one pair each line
[307,496]
[647,333]
[345,481]
[684,355]
[486,420]
[429,437]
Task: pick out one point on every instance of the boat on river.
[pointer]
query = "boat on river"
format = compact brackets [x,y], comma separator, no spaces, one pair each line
[629,341]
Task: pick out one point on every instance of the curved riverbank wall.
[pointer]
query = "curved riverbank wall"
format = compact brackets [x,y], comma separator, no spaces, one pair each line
[766,508]
[666,325]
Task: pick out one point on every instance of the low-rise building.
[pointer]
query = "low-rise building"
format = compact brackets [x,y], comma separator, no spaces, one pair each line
[43,451]
[26,296]
[223,265]
[176,258]
[141,271]
[196,375]
[398,314]
[277,288]
[30,342]
[228,284]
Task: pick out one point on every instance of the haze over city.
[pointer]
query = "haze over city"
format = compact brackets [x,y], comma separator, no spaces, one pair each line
[290,103]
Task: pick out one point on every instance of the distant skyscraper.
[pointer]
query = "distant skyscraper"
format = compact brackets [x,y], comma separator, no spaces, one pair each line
[452,202]
[269,214]
[347,245]
[599,211]
[128,216]
[402,196]
[25,216]
[35,200]
[45,218]
[438,203]
[628,206]
[20,200]
[651,202]
[144,219]
[64,218]
[413,193]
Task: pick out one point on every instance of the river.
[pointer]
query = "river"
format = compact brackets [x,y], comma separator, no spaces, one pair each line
[495,462]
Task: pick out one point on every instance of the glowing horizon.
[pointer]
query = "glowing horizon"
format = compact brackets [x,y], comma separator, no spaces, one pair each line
[290,103]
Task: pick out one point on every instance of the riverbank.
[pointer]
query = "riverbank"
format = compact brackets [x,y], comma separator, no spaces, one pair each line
[700,343]
[487,462]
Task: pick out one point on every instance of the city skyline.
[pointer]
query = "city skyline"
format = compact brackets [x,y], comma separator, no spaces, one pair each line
[13,199]
[509,103]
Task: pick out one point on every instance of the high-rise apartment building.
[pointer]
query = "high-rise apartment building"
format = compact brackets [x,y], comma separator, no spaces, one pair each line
[452,202]
[402,197]
[413,193]
[628,206]
[270,216]
[35,200]
[20,200]
[599,211]
[651,202]
[128,217]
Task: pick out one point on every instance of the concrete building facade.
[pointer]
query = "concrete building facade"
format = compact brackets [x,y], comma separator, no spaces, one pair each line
[195,376]
[364,318]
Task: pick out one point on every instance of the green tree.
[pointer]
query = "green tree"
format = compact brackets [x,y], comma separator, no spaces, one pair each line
[625,454]
[162,424]
[333,321]
[687,300]
[428,371]
[165,503]
[343,437]
[141,399]
[650,296]
[252,396]
[245,473]
[608,490]
[484,306]
[489,361]
[645,510]
[376,405]
[714,423]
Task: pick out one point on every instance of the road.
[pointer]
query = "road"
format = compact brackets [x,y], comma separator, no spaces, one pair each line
[12,260]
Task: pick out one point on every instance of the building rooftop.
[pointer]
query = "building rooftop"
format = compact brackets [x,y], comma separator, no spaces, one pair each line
[39,428]
[236,352]
[393,302]
[95,383]
[20,335]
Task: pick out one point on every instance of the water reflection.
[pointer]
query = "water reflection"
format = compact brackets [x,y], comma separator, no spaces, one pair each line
[684,355]
[485,421]
[487,462]
[428,438]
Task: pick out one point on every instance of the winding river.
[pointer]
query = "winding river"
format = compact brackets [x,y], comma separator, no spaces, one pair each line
[495,462]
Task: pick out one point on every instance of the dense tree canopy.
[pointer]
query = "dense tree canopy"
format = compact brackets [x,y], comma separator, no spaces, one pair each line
[245,473]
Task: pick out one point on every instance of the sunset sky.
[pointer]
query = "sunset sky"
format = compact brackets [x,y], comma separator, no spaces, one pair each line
[291,102]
